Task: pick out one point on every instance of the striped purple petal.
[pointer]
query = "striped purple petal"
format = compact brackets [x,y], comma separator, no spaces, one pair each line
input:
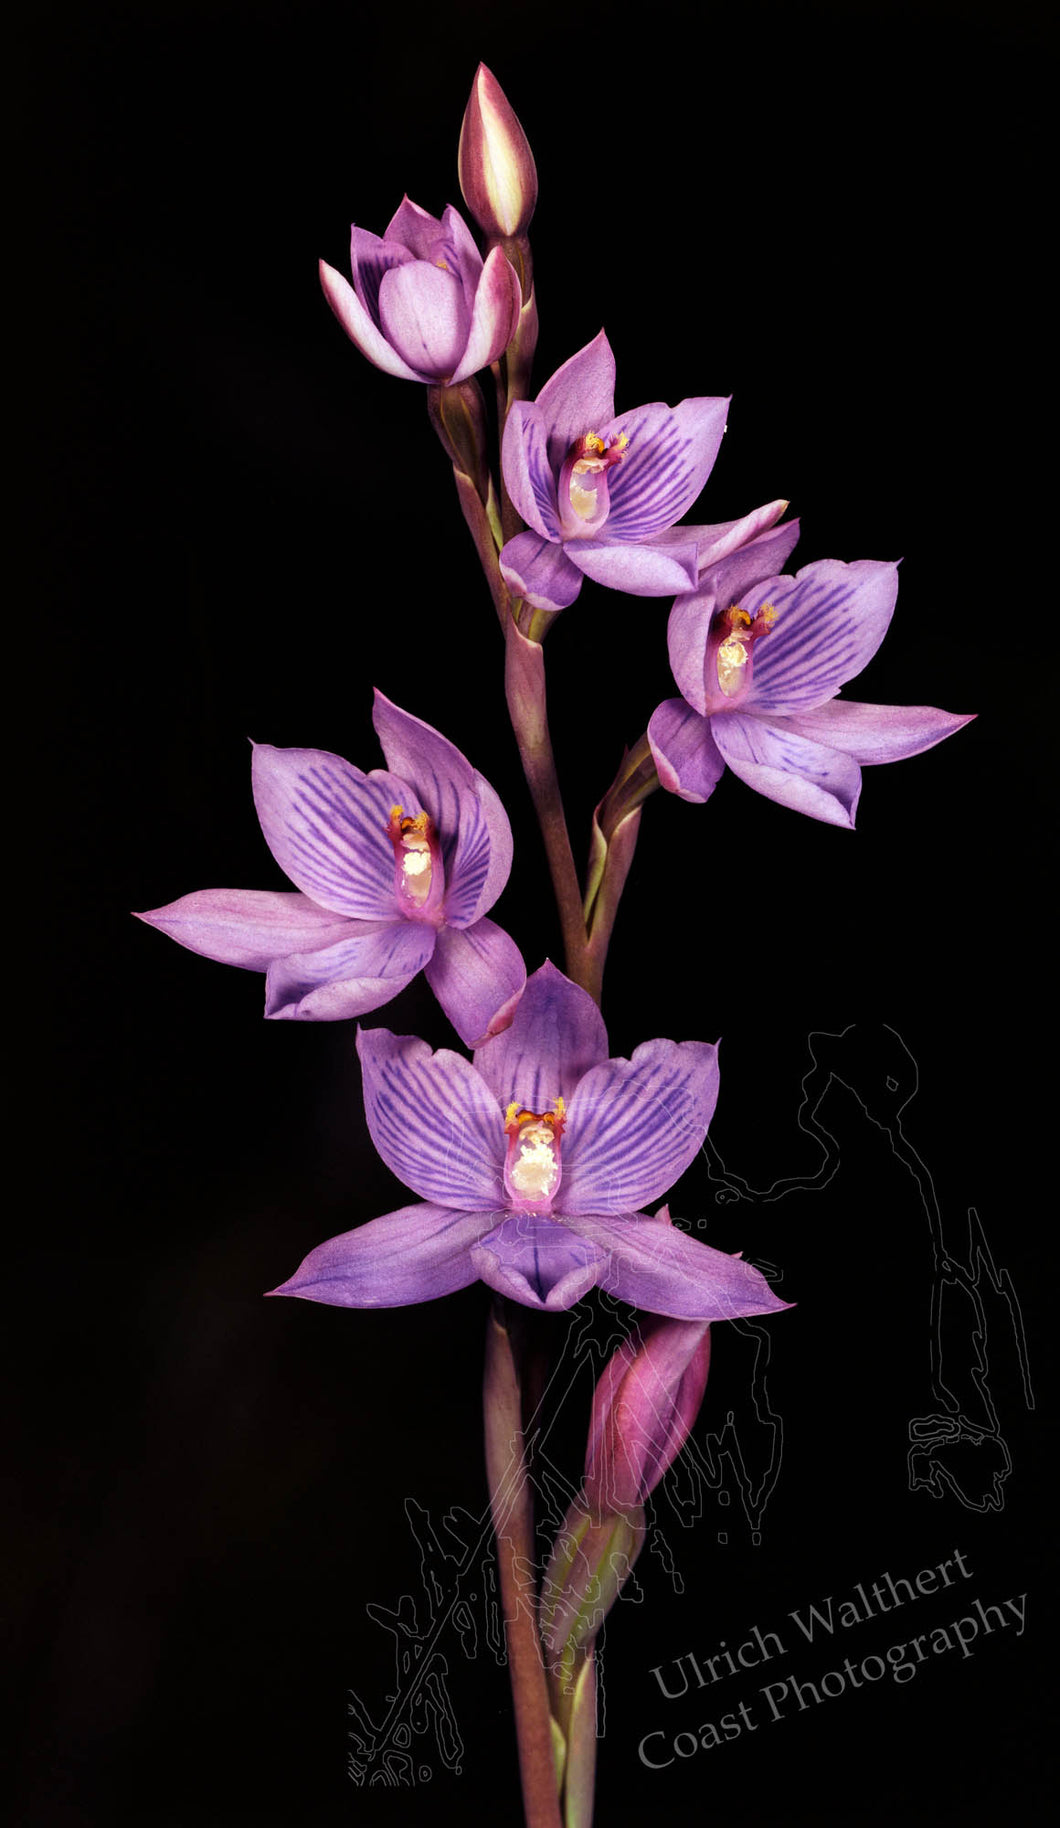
[654,568]
[671,453]
[421,755]
[248,927]
[654,1266]
[538,1262]
[578,398]
[727,537]
[528,475]
[360,328]
[467,862]
[687,758]
[326,825]
[501,846]
[477,974]
[634,1125]
[557,1035]
[789,768]
[874,733]
[370,258]
[365,969]
[433,1120]
[830,620]
[414,1254]
[534,568]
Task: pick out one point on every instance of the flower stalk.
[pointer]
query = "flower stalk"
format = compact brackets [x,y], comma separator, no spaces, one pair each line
[511,1507]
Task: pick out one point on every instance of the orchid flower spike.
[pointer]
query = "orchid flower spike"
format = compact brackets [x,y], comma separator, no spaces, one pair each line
[424,305]
[531,1163]
[600,492]
[394,871]
[759,659]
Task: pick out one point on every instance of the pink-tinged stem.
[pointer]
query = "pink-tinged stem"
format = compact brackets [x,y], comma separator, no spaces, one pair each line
[511,1506]
[525,688]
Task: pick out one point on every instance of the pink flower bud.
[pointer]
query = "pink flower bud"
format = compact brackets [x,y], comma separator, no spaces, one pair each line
[497,172]
[644,1410]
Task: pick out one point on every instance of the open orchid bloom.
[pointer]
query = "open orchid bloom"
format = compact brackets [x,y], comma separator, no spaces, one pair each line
[424,305]
[759,659]
[600,492]
[394,871]
[531,1164]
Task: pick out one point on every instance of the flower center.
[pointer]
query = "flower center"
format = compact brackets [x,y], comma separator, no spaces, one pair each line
[419,884]
[584,498]
[738,631]
[532,1171]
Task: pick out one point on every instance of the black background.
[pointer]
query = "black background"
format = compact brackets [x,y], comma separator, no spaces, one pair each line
[235,528]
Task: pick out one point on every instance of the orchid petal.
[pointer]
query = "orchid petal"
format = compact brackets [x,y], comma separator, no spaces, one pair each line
[367,968]
[578,398]
[660,1269]
[433,1120]
[456,245]
[414,1254]
[874,733]
[788,768]
[830,619]
[494,315]
[557,1035]
[248,927]
[528,475]
[370,258]
[670,454]
[727,537]
[538,1262]
[656,568]
[721,582]
[415,228]
[326,825]
[686,756]
[477,974]
[542,573]
[359,327]
[634,1125]
[501,845]
[423,315]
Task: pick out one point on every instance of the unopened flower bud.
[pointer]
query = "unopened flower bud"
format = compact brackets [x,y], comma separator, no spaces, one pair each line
[644,1410]
[497,172]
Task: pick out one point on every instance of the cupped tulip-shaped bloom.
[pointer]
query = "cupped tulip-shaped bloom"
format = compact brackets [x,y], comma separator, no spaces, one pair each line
[759,659]
[424,305]
[394,871]
[644,1410]
[531,1163]
[497,172]
[600,492]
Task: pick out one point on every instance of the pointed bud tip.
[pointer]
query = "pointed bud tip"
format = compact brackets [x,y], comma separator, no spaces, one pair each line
[498,176]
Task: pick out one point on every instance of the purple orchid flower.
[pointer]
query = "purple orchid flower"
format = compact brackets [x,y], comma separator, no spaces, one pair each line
[424,305]
[759,659]
[394,872]
[532,1162]
[600,492]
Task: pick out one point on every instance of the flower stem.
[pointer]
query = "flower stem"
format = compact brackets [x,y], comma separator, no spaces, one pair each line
[511,1505]
[525,689]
